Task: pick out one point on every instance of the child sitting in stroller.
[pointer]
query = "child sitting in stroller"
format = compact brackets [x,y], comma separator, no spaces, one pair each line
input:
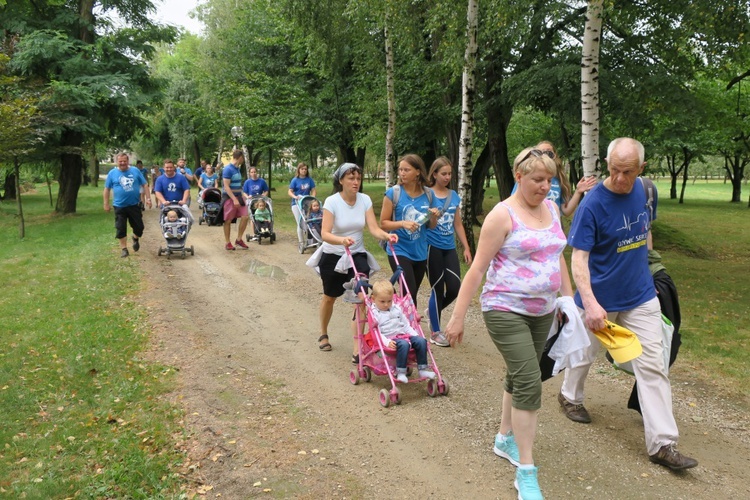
[315,217]
[262,216]
[175,226]
[396,331]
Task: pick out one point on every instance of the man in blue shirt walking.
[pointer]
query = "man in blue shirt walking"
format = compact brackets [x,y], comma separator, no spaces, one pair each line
[126,182]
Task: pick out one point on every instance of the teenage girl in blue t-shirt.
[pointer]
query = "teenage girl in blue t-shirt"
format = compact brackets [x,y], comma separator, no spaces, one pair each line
[301,185]
[443,268]
[413,205]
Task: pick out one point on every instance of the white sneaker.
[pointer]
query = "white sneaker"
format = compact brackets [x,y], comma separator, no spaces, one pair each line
[401,377]
[427,374]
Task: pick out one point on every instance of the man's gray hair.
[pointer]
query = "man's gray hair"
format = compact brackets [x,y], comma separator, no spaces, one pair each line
[638,145]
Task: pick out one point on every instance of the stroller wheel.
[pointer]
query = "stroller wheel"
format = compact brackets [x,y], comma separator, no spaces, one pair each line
[301,247]
[432,388]
[396,395]
[366,373]
[354,376]
[443,387]
[273,237]
[385,398]
[200,220]
[184,253]
[192,250]
[159,252]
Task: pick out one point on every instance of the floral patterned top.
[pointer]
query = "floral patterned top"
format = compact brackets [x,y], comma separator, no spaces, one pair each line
[524,276]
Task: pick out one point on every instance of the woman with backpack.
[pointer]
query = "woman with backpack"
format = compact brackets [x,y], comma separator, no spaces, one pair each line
[408,211]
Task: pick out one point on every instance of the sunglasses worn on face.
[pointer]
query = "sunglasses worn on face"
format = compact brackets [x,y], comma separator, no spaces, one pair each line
[537,153]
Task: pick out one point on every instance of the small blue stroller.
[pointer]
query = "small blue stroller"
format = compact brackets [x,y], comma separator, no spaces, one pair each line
[308,231]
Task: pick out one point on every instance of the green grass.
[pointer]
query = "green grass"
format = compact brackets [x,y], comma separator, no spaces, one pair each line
[705,243]
[81,409]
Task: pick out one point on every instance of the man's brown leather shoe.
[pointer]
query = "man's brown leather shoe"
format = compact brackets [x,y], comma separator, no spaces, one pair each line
[668,456]
[577,413]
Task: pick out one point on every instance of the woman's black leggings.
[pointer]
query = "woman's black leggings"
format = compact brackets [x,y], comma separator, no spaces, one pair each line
[444,273]
[413,273]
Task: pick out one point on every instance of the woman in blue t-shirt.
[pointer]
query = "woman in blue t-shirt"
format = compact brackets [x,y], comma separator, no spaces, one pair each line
[208,179]
[443,268]
[413,211]
[301,185]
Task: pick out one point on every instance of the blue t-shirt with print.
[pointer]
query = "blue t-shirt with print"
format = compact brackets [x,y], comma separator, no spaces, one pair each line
[232,173]
[411,245]
[442,236]
[125,186]
[301,186]
[614,228]
[208,181]
[172,189]
[554,194]
[254,187]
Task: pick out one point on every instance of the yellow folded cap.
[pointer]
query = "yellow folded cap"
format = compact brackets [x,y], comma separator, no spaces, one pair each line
[622,344]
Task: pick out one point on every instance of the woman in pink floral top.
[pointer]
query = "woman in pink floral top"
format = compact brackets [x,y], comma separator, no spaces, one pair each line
[520,247]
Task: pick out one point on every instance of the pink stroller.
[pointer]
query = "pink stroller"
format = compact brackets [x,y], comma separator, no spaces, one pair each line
[374,356]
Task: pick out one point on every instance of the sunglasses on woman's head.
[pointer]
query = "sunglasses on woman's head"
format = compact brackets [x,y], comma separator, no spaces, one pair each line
[538,153]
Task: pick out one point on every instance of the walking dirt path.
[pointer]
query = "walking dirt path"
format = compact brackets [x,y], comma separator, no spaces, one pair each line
[266,414]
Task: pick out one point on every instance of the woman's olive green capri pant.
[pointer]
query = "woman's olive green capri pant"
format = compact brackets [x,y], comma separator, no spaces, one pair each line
[520,339]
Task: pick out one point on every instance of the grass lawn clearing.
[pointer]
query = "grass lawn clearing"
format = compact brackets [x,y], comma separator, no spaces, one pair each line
[82,413]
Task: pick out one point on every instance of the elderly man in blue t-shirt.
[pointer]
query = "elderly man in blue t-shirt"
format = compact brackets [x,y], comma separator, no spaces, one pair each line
[129,187]
[610,236]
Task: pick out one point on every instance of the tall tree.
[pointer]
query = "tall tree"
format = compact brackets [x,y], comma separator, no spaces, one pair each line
[96,73]
[467,123]
[390,155]
[590,88]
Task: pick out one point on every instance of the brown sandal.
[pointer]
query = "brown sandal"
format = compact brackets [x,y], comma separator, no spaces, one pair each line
[326,346]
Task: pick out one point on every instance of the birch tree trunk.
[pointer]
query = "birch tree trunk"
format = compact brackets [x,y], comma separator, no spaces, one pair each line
[590,89]
[465,165]
[390,159]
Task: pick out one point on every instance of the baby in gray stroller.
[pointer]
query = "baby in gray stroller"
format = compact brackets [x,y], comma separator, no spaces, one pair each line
[174,226]
[175,221]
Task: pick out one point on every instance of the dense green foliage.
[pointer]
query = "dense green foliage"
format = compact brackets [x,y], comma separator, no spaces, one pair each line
[306,81]
[92,70]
